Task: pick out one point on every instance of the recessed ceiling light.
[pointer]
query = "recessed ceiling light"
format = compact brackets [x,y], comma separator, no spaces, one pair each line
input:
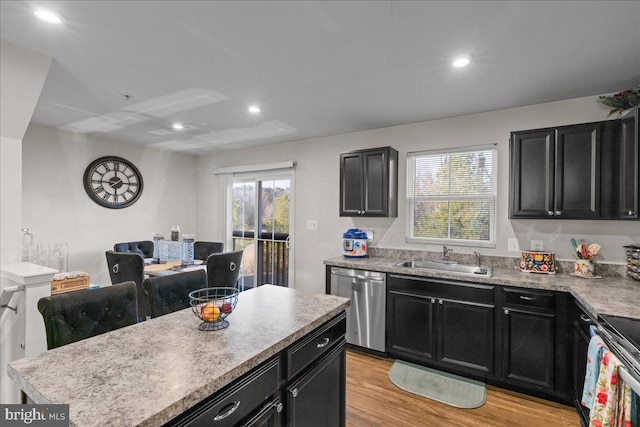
[177,126]
[254,109]
[47,16]
[462,61]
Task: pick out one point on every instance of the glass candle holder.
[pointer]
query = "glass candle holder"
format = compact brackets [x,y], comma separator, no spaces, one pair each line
[187,249]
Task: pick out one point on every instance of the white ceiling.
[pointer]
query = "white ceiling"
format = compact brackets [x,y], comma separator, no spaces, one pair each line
[315,68]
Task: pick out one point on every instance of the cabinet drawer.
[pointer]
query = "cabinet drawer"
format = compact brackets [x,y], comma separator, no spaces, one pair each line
[303,353]
[536,300]
[229,407]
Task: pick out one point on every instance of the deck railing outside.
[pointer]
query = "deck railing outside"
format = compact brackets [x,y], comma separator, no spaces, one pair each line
[272,265]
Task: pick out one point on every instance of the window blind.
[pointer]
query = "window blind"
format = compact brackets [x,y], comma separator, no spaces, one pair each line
[451,195]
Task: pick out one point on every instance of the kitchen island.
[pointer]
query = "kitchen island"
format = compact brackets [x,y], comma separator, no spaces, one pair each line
[149,373]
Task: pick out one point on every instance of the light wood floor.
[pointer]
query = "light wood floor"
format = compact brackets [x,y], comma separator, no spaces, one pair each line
[373,400]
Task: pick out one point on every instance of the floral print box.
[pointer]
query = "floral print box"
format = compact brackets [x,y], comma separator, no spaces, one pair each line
[538,262]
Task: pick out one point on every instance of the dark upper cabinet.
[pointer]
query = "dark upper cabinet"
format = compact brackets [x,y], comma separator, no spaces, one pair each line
[567,172]
[369,183]
[630,165]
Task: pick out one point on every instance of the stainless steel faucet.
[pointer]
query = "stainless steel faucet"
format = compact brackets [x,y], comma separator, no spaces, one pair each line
[445,253]
[477,254]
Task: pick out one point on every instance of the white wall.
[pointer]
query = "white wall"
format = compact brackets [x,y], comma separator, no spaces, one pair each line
[56,208]
[317,186]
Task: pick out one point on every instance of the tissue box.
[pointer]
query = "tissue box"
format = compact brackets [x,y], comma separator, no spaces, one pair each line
[538,262]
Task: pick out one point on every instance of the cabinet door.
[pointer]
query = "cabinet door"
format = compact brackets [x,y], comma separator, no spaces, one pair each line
[630,166]
[577,171]
[465,335]
[351,184]
[376,182]
[529,349]
[318,397]
[411,325]
[531,171]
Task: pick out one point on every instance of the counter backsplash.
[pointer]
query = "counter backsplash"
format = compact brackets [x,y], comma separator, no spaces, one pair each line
[497,262]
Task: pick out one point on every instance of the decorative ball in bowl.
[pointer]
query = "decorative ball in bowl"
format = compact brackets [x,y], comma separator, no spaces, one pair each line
[212,306]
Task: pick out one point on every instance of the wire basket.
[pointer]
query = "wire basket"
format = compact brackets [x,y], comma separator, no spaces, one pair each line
[212,306]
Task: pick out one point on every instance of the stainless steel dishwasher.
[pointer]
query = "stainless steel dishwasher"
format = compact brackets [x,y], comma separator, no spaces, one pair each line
[366,315]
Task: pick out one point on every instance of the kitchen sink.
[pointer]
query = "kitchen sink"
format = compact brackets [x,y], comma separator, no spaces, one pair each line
[449,267]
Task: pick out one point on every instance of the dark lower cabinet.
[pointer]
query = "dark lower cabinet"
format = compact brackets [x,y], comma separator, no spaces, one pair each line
[515,338]
[465,336]
[238,402]
[303,385]
[412,324]
[528,348]
[581,337]
[536,341]
[441,323]
[317,399]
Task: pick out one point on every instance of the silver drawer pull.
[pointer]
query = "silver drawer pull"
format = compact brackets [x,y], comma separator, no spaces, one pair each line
[585,318]
[234,405]
[527,298]
[324,343]
[294,392]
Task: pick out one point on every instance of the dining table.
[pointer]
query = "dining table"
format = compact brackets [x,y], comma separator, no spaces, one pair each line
[165,268]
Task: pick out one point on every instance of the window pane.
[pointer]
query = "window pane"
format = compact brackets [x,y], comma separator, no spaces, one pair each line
[431,176]
[266,200]
[470,220]
[431,219]
[243,206]
[472,173]
[281,207]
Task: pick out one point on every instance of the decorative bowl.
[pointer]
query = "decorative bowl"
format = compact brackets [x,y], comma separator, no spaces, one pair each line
[213,306]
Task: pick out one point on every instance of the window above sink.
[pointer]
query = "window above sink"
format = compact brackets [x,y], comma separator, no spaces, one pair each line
[451,196]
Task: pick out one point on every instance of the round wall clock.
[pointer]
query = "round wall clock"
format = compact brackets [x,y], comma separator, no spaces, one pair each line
[113,182]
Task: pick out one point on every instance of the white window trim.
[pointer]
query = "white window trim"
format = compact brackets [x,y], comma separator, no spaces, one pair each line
[491,243]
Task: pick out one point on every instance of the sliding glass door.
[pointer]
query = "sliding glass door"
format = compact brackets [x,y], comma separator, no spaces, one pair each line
[262,220]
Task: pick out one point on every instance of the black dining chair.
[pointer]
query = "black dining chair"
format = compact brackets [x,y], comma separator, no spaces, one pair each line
[74,316]
[171,293]
[223,269]
[202,250]
[144,248]
[126,266]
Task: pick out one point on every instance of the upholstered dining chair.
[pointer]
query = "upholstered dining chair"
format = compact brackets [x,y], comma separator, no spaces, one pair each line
[144,248]
[202,250]
[74,316]
[171,293]
[223,269]
[125,266]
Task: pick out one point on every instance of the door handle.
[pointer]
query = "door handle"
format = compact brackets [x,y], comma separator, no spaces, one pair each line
[527,298]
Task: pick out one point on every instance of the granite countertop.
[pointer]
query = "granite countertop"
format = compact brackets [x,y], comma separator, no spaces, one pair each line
[618,296]
[148,373]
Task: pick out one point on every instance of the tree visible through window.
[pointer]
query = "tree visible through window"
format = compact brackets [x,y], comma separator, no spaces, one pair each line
[451,195]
